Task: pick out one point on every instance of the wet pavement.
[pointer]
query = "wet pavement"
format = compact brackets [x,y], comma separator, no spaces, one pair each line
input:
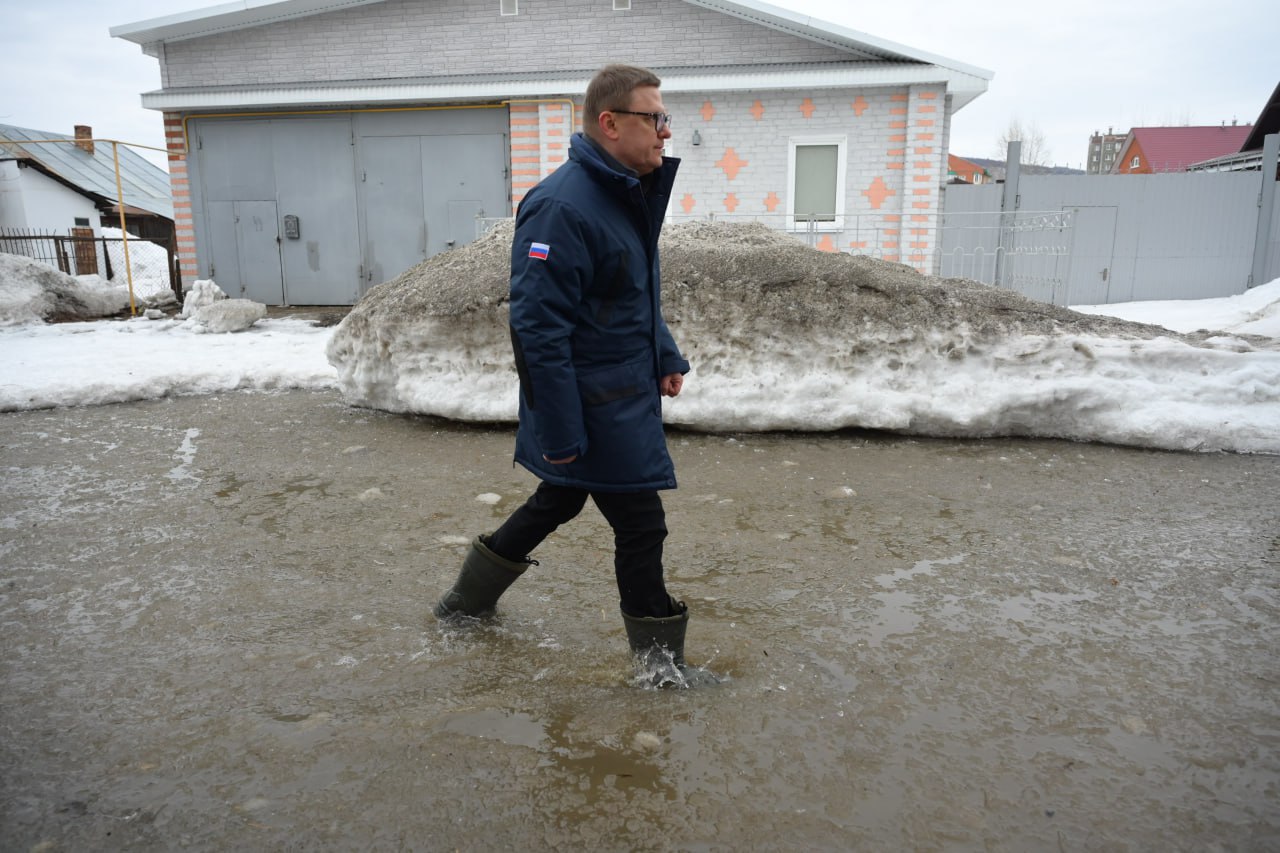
[216,634]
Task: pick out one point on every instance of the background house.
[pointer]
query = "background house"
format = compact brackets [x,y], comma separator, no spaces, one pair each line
[52,187]
[319,147]
[57,192]
[960,170]
[1152,150]
[1249,156]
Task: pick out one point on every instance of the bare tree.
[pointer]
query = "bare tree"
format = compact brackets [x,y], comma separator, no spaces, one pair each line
[1035,151]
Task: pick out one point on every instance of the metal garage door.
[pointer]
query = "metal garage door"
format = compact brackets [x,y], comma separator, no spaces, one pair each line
[424,178]
[354,199]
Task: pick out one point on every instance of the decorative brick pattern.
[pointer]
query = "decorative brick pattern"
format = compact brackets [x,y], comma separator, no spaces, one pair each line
[894,170]
[180,187]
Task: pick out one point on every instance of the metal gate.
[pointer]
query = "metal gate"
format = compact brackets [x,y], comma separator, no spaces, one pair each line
[314,210]
[1026,251]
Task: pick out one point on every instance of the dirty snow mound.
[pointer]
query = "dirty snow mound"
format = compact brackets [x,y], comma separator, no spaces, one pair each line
[203,292]
[783,336]
[34,292]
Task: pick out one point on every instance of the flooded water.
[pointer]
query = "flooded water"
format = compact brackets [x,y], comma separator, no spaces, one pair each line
[216,629]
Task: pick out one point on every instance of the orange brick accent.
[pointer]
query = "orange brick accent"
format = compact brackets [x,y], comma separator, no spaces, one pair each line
[895,165]
[731,202]
[859,106]
[731,164]
[919,179]
[826,244]
[708,111]
[771,202]
[896,152]
[897,111]
[924,150]
[919,191]
[898,137]
[898,125]
[928,109]
[757,110]
[921,205]
[923,164]
[928,96]
[898,97]
[925,137]
[807,107]
[877,192]
[925,122]
[687,203]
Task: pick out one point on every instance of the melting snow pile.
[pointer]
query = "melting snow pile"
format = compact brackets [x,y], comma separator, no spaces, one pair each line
[33,292]
[782,336]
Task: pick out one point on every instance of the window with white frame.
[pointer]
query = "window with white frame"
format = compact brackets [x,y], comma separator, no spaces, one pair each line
[1137,161]
[508,7]
[816,180]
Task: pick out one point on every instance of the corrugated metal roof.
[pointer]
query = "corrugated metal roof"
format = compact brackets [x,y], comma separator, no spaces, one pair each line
[145,185]
[1173,149]
[497,87]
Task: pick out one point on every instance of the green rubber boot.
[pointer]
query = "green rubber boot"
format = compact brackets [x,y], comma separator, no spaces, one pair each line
[484,578]
[657,644]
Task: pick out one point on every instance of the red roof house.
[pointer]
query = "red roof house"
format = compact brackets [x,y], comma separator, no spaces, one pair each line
[1172,149]
[962,170]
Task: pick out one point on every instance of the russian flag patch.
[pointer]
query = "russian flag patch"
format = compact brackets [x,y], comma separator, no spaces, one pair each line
[539,251]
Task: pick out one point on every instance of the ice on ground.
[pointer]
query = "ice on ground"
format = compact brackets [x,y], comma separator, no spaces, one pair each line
[785,337]
[148,262]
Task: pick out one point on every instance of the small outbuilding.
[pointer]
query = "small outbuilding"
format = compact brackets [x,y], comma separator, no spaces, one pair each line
[319,147]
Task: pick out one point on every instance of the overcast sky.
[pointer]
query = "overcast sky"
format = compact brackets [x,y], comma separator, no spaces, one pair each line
[1099,65]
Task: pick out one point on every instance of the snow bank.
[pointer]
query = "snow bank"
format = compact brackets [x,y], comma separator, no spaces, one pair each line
[35,292]
[784,337]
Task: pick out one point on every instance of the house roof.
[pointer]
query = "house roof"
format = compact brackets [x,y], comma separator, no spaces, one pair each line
[874,61]
[959,164]
[145,186]
[1173,149]
[1268,123]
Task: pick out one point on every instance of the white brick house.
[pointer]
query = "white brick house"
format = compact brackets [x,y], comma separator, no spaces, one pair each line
[318,147]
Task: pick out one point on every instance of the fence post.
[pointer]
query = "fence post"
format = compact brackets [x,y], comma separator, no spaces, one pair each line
[1266,203]
[1008,205]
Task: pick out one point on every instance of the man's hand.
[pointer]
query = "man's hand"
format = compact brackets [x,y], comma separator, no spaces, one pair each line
[670,384]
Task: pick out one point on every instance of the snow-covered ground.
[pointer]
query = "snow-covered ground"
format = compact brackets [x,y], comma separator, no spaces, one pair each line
[1152,392]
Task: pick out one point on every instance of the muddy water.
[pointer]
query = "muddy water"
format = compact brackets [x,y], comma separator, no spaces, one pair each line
[216,635]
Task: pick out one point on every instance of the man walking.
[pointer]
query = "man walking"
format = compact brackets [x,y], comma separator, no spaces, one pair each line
[595,357]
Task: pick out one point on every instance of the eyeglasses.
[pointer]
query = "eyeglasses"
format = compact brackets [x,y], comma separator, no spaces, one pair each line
[661,121]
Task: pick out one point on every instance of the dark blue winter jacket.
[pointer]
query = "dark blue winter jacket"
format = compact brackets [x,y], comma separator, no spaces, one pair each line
[586,325]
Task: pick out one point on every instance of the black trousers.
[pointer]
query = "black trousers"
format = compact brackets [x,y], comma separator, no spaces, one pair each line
[639,527]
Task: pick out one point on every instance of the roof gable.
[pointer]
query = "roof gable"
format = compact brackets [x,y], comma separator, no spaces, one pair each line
[1172,149]
[436,61]
[252,13]
[144,185]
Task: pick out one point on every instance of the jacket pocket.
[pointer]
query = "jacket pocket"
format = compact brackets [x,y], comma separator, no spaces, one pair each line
[522,369]
[601,387]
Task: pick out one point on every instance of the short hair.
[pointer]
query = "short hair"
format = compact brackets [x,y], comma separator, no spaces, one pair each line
[610,89]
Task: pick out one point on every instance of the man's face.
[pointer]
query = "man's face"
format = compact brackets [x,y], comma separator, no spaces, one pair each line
[639,145]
